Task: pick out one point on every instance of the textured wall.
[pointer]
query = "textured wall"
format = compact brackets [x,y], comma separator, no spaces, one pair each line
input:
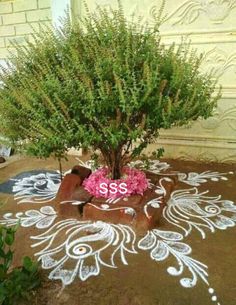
[18,19]
[211,27]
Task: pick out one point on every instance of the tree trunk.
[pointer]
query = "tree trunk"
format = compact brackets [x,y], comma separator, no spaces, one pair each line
[116,164]
[60,168]
[113,160]
[116,169]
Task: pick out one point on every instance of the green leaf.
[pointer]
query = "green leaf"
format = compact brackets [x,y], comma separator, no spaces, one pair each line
[9,238]
[27,263]
[2,253]
[8,258]
[2,272]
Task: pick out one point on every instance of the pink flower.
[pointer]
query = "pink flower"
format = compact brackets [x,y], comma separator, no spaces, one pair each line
[134,179]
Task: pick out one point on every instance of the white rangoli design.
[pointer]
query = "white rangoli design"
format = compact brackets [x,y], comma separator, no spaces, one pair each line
[107,207]
[155,203]
[42,219]
[83,241]
[154,166]
[72,249]
[188,209]
[162,244]
[196,179]
[40,188]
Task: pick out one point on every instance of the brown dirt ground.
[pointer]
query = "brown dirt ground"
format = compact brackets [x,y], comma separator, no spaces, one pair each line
[143,281]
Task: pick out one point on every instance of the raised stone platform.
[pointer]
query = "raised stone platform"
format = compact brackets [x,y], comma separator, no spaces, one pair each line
[143,212]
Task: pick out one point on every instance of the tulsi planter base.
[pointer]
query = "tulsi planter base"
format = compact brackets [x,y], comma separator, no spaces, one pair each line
[143,212]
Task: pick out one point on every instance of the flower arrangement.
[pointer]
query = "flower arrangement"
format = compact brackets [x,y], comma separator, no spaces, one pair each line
[134,180]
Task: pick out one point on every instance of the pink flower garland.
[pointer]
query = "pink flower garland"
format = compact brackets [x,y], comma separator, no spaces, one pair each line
[135,180]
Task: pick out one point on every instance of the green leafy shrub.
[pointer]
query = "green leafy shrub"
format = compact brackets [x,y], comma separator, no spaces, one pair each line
[104,83]
[15,284]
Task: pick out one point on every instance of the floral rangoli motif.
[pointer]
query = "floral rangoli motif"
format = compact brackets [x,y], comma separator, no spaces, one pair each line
[71,248]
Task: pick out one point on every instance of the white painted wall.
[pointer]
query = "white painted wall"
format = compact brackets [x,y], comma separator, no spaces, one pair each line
[59,9]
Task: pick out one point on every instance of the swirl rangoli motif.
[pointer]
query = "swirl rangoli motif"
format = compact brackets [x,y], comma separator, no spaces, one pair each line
[74,249]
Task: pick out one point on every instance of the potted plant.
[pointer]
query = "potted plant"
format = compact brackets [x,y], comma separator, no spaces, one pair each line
[104,83]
